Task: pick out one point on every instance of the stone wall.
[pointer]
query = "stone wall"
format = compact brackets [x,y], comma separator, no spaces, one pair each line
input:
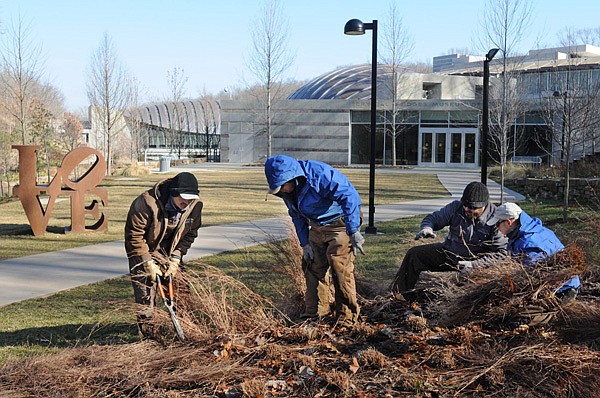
[582,190]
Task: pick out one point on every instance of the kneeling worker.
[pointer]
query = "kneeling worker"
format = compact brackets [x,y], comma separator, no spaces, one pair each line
[470,242]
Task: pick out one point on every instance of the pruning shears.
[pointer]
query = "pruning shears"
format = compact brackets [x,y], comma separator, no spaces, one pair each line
[165,289]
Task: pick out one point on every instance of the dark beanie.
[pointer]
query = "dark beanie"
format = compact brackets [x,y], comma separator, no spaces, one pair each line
[475,194]
[186,185]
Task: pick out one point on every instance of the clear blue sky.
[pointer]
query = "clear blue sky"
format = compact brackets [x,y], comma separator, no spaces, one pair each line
[210,40]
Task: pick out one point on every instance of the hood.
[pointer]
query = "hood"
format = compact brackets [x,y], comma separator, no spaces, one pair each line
[161,190]
[280,169]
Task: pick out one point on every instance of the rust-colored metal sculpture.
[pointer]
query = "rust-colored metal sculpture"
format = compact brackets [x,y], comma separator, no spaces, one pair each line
[29,192]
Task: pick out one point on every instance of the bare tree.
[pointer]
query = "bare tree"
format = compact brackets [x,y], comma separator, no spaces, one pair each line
[8,157]
[504,24]
[177,83]
[109,97]
[581,36]
[397,46]
[21,59]
[137,128]
[572,112]
[269,62]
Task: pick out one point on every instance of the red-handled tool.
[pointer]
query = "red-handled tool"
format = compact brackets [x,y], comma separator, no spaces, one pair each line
[169,301]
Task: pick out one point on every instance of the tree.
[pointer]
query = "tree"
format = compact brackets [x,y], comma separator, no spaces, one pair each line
[269,61]
[41,132]
[71,132]
[20,79]
[504,24]
[177,81]
[137,129]
[572,112]
[397,46]
[109,96]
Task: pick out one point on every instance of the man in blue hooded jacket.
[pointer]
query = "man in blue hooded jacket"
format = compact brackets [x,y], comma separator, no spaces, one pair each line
[528,240]
[326,212]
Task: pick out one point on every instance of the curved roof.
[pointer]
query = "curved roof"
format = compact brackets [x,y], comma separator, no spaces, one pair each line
[352,82]
[190,116]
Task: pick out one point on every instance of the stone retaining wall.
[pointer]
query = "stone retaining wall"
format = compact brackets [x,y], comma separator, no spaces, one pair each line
[582,190]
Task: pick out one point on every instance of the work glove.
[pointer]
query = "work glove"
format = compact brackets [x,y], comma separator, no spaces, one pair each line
[357,241]
[465,268]
[308,254]
[426,232]
[172,267]
[152,269]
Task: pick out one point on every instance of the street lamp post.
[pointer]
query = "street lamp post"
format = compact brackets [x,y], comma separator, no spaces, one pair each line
[357,27]
[485,117]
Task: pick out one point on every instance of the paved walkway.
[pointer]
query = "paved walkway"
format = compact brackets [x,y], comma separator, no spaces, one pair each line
[43,274]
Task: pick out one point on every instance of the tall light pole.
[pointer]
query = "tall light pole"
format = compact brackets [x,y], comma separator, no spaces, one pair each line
[485,128]
[357,27]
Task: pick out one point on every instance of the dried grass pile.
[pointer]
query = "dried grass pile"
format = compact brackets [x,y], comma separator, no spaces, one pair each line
[472,339]
[507,293]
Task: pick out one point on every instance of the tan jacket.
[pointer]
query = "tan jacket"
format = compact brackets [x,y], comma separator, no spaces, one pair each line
[147,223]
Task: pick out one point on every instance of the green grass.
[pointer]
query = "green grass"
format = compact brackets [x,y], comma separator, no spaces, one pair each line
[98,313]
[228,196]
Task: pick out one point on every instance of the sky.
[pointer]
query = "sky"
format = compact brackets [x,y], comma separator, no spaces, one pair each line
[211,40]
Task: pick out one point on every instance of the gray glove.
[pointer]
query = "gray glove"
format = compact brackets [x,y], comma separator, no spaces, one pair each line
[426,232]
[357,241]
[152,269]
[308,254]
[465,268]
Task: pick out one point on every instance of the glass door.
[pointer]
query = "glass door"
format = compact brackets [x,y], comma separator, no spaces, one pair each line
[426,145]
[440,147]
[449,147]
[457,147]
[470,146]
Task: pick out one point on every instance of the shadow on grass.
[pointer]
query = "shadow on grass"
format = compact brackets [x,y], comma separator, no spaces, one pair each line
[16,229]
[72,335]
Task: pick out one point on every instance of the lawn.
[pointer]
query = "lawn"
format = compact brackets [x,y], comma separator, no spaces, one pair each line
[228,196]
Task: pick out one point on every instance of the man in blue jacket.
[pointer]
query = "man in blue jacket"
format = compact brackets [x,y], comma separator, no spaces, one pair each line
[528,240]
[470,242]
[326,212]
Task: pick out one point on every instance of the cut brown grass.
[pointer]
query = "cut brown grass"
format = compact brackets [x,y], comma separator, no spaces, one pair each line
[468,340]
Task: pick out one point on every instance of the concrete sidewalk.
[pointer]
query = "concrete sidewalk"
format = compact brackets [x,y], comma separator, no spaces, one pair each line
[43,274]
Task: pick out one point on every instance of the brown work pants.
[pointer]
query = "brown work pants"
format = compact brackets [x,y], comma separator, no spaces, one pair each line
[333,252]
[144,289]
[431,257]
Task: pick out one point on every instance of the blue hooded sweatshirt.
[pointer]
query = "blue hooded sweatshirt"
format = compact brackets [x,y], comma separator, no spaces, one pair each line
[533,242]
[323,193]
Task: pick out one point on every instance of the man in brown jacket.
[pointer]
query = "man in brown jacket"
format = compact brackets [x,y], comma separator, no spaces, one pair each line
[161,225]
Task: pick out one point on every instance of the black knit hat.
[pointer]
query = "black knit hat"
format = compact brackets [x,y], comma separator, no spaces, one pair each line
[475,195]
[185,185]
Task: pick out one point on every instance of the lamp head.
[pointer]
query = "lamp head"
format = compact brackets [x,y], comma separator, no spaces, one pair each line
[354,27]
[491,54]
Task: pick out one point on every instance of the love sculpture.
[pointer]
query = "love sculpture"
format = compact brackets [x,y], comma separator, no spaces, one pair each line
[29,192]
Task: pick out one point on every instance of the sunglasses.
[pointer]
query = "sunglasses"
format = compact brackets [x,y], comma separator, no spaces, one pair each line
[471,207]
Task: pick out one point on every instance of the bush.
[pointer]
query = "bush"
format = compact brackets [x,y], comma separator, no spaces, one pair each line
[132,170]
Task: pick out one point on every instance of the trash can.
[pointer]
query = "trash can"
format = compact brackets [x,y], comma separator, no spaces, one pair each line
[165,164]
